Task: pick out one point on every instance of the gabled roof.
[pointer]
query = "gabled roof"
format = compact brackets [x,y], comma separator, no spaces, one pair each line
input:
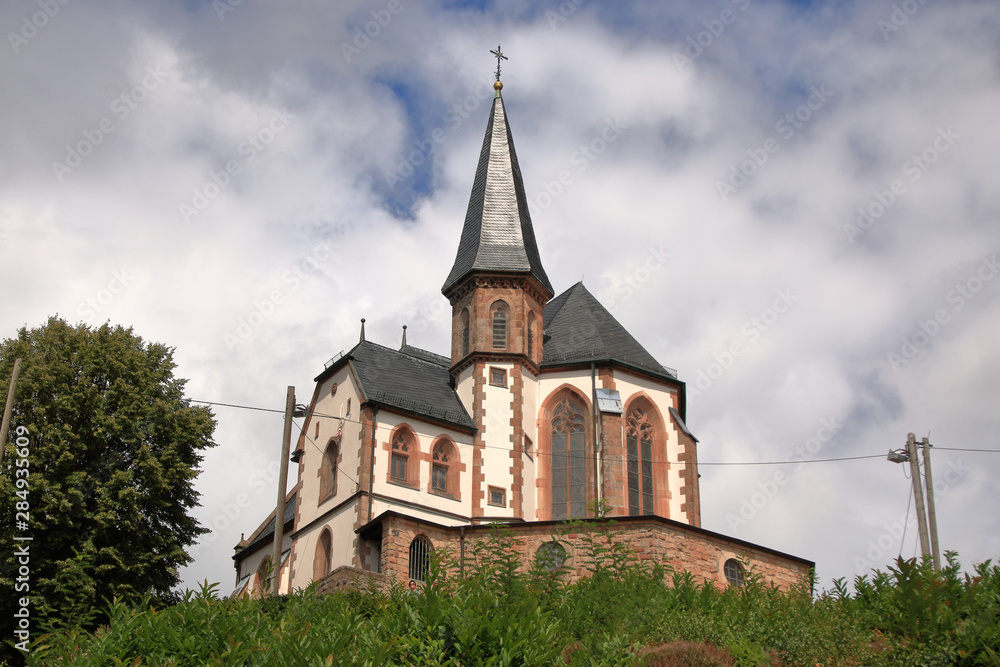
[497,236]
[578,329]
[411,380]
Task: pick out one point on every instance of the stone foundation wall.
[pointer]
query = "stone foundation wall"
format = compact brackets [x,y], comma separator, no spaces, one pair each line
[674,545]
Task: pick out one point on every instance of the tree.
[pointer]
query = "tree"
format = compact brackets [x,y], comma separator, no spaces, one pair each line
[113,449]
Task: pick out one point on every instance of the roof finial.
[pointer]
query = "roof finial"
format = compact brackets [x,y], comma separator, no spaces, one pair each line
[404,338]
[362,330]
[500,56]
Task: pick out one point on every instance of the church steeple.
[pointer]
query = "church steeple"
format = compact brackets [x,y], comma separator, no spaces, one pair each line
[497,286]
[497,236]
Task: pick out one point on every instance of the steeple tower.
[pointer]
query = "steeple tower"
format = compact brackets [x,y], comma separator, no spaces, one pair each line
[497,263]
[498,291]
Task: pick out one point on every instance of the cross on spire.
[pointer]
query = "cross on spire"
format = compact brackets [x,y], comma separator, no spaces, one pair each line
[500,56]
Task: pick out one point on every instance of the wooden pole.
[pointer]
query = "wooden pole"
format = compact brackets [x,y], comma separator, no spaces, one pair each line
[279,510]
[9,407]
[931,513]
[918,495]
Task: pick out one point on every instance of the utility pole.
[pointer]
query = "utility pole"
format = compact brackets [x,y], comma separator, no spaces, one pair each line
[931,513]
[9,407]
[918,494]
[279,510]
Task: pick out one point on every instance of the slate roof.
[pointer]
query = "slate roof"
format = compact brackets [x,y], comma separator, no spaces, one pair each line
[497,236]
[411,380]
[578,329]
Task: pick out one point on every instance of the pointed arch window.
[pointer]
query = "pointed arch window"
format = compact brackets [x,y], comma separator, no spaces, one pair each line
[639,456]
[569,460]
[321,563]
[531,335]
[443,473]
[264,575]
[465,331]
[499,315]
[403,459]
[328,472]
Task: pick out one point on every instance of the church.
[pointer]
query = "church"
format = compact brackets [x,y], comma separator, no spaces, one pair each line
[544,409]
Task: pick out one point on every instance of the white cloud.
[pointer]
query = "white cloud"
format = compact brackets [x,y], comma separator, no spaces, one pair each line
[322,177]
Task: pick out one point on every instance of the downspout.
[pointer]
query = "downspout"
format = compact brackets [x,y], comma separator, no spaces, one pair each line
[461,551]
[597,442]
[371,468]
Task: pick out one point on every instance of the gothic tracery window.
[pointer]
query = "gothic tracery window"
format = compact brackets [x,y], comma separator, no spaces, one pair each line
[569,460]
[441,465]
[639,455]
[400,460]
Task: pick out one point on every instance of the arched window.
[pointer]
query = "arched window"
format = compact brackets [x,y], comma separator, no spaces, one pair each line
[403,461]
[531,336]
[734,572]
[441,468]
[420,558]
[499,314]
[321,563]
[465,331]
[639,454]
[569,460]
[328,472]
[262,586]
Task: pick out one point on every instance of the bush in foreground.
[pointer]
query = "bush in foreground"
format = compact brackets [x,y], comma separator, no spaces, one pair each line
[626,613]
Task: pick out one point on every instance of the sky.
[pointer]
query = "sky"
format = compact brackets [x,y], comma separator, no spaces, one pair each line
[794,205]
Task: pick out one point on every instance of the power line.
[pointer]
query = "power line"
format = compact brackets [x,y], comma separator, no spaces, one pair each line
[700,463]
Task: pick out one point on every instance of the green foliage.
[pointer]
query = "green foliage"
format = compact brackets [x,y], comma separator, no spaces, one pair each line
[494,609]
[113,452]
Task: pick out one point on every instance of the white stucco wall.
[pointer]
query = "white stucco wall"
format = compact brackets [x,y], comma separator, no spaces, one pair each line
[329,407]
[497,436]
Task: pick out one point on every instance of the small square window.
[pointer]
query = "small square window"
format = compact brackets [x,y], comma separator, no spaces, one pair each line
[497,496]
[498,377]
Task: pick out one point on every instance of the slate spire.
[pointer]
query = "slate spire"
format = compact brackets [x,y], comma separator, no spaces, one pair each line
[497,236]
